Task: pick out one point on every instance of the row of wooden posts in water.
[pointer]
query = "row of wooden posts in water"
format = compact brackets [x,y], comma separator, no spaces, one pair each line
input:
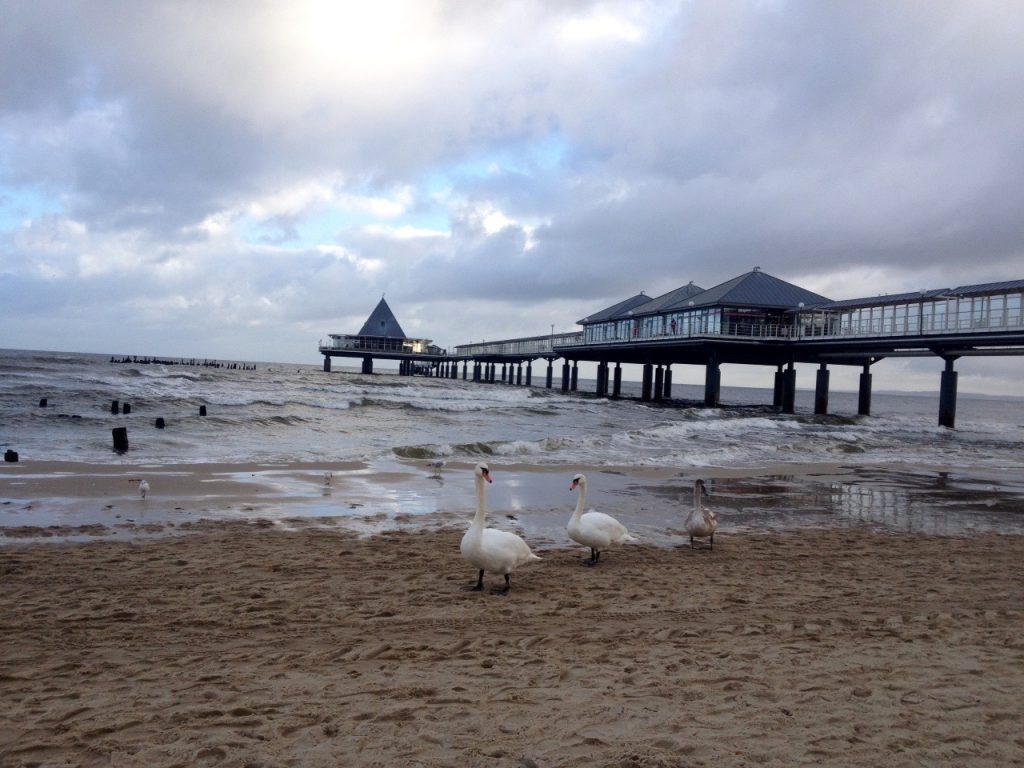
[120,434]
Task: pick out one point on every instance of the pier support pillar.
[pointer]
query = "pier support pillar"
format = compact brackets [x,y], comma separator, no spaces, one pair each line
[659,383]
[789,390]
[617,381]
[551,373]
[777,394]
[947,396]
[503,373]
[864,393]
[668,382]
[565,376]
[646,382]
[575,375]
[529,373]
[465,369]
[327,363]
[712,384]
[821,390]
[367,364]
[602,379]
[519,375]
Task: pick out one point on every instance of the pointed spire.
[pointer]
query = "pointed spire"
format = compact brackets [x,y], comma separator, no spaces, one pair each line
[382,322]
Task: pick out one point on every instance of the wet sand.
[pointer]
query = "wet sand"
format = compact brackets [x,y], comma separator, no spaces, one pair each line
[246,645]
[67,501]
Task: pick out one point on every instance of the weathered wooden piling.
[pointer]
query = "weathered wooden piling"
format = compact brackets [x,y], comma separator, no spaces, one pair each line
[160,423]
[202,410]
[947,395]
[821,390]
[646,382]
[42,403]
[115,407]
[864,392]
[126,408]
[120,435]
[789,389]
[11,457]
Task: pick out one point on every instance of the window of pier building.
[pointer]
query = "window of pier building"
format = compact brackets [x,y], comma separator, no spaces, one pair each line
[754,321]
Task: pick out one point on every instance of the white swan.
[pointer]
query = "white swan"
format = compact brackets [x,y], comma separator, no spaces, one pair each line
[489,549]
[701,522]
[594,529]
[143,488]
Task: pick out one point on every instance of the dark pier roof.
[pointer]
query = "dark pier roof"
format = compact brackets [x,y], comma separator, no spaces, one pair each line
[382,322]
[624,308]
[757,289]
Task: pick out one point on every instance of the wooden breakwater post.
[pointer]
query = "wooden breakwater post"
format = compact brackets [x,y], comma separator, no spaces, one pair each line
[115,406]
[202,410]
[11,457]
[120,435]
[42,402]
[126,408]
[160,424]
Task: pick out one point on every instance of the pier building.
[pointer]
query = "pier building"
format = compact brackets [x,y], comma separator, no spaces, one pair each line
[382,337]
[753,319]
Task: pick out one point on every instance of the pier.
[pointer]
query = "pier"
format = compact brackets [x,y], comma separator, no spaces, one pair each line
[753,319]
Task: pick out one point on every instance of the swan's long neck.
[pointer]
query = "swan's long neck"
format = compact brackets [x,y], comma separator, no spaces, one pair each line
[582,500]
[477,527]
[698,510]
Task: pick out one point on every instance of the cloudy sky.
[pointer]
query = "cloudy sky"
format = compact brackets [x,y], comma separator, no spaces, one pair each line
[237,179]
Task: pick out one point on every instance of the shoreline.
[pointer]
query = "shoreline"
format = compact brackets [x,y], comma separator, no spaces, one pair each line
[248,645]
[75,501]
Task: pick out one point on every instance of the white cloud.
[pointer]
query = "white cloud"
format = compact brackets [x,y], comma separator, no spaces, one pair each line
[270,166]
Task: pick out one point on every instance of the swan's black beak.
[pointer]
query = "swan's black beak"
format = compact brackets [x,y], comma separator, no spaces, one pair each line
[487,475]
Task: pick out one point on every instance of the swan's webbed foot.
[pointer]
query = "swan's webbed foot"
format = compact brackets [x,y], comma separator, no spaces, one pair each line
[479,586]
[594,555]
[505,589]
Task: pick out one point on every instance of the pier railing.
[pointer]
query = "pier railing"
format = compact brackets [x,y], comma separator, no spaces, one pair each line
[531,346]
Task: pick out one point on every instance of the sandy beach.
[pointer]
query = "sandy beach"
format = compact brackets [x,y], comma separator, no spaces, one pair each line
[244,644]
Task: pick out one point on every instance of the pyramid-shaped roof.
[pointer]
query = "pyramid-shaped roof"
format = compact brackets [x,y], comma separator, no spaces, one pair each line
[382,322]
[623,308]
[757,289]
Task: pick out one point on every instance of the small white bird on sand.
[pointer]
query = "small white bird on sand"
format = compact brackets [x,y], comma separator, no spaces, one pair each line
[437,465]
[143,488]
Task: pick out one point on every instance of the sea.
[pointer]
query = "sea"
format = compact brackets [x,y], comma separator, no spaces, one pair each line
[899,470]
